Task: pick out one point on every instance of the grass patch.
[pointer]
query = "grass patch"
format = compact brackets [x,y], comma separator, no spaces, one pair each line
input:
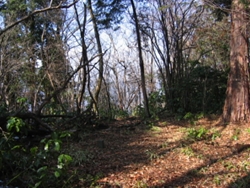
[151,155]
[164,145]
[215,134]
[197,133]
[228,165]
[188,151]
[236,134]
[217,180]
[156,129]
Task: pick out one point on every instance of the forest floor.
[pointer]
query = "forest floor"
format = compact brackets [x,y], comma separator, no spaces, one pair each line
[164,153]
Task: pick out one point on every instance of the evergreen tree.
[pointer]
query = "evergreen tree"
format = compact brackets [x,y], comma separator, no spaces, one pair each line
[38,52]
[237,107]
[109,13]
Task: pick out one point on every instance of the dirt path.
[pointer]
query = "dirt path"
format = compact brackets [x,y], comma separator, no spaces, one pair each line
[129,154]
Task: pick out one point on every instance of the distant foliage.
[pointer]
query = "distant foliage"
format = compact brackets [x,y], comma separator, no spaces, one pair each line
[121,114]
[109,13]
[203,90]
[156,102]
[193,118]
[138,111]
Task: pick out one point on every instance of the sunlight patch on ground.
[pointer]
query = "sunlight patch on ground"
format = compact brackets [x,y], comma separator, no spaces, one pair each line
[167,158]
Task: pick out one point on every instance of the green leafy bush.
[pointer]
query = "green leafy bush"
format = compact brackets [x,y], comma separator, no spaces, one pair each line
[121,114]
[15,123]
[156,102]
[25,164]
[139,111]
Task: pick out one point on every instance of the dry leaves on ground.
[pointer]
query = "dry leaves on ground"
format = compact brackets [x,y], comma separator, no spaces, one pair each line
[133,155]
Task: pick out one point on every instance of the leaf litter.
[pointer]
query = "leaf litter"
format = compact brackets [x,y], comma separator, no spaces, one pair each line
[135,155]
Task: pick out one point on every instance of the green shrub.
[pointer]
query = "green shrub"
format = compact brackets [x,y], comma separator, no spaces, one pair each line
[15,124]
[197,134]
[121,114]
[202,89]
[156,102]
[40,165]
[139,111]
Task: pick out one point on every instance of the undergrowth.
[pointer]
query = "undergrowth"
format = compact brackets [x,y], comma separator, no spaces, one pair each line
[28,163]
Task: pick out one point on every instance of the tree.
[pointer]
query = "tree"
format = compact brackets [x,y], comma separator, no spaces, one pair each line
[84,61]
[236,107]
[34,67]
[100,53]
[109,13]
[26,17]
[143,82]
[170,29]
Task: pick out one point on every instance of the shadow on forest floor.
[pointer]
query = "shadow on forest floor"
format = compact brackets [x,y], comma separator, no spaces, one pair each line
[158,154]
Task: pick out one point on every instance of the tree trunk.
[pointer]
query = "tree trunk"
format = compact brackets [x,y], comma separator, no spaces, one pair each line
[84,59]
[101,62]
[236,107]
[143,82]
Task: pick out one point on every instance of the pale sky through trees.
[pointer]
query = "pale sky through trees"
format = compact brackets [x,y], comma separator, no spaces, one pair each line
[166,54]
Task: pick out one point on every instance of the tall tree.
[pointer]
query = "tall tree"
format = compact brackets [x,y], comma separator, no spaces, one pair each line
[34,31]
[84,54]
[237,107]
[171,33]
[143,82]
[101,62]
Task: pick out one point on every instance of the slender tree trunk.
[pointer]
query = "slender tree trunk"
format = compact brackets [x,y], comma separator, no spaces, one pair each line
[84,59]
[236,107]
[99,46]
[143,82]
[168,81]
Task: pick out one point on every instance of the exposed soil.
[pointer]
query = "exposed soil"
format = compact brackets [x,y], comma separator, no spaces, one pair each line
[133,154]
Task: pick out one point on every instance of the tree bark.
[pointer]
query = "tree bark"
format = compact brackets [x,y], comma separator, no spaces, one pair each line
[236,107]
[143,82]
